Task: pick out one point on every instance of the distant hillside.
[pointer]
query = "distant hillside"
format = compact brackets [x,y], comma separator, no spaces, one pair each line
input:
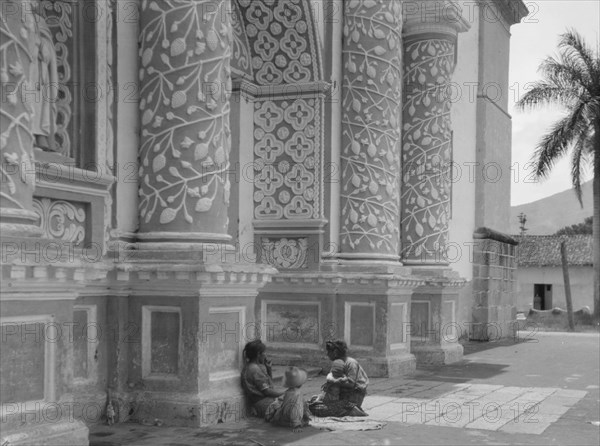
[548,215]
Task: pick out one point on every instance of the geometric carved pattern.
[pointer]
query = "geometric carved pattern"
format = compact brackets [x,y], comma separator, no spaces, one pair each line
[287,158]
[371,113]
[184,101]
[274,42]
[426,146]
[61,220]
[285,253]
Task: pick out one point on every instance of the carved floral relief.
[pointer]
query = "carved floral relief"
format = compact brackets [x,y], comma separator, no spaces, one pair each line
[16,139]
[427,146]
[184,102]
[285,253]
[61,219]
[371,107]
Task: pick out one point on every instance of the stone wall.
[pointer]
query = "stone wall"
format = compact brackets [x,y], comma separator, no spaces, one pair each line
[494,286]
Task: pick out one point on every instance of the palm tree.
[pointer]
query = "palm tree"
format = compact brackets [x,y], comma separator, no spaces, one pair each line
[573,82]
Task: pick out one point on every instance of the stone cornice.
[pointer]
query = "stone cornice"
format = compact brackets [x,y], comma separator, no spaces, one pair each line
[298,282]
[72,179]
[57,281]
[487,233]
[252,91]
[434,16]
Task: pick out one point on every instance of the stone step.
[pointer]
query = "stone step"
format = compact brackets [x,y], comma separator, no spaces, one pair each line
[279,373]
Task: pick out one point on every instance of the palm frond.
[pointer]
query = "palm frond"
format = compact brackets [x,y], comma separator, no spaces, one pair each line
[565,73]
[555,144]
[546,93]
[579,161]
[593,109]
[574,47]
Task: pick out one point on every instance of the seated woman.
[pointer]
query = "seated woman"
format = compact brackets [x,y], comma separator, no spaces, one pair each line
[352,386]
[257,378]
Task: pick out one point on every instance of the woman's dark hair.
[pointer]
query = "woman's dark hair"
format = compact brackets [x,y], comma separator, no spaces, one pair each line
[338,347]
[253,349]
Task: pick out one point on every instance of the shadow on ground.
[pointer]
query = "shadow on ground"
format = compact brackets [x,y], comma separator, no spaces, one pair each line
[243,433]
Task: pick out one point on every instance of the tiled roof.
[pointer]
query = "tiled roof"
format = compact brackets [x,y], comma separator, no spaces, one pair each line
[544,250]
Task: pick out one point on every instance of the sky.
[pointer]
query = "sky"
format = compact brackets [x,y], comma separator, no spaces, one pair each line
[535,38]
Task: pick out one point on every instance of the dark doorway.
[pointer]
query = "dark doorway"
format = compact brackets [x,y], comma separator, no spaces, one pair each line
[542,296]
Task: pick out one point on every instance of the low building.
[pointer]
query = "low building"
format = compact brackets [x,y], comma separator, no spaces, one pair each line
[540,283]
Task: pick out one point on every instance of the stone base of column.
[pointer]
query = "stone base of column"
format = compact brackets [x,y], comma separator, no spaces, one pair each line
[187,410]
[366,304]
[434,329]
[19,223]
[63,433]
[391,365]
[189,315]
[428,355]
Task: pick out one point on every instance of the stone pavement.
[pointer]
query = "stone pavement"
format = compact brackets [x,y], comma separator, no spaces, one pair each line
[541,391]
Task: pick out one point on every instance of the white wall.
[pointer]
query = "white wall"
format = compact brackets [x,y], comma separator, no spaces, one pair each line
[464,116]
[580,278]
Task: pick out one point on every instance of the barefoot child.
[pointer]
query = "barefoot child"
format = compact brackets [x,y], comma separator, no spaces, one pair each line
[293,411]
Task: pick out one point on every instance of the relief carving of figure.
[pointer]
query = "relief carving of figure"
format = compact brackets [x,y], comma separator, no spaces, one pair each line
[43,80]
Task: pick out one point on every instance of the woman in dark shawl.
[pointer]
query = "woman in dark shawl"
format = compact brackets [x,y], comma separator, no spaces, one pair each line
[257,378]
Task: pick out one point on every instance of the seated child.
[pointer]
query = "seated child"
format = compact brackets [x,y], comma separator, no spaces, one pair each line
[293,410]
[331,389]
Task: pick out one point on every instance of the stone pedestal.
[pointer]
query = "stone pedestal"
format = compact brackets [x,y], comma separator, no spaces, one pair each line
[434,329]
[37,297]
[190,316]
[367,305]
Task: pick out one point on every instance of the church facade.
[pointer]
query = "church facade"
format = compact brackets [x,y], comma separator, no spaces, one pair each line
[181,177]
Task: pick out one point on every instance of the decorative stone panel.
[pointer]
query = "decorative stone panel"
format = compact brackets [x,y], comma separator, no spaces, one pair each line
[285,253]
[62,220]
[274,42]
[287,154]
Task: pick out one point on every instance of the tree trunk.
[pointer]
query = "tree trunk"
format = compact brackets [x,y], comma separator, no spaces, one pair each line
[565,268]
[596,223]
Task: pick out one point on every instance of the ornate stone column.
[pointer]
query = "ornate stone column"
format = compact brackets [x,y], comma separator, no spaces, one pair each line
[184,107]
[371,114]
[430,33]
[17,36]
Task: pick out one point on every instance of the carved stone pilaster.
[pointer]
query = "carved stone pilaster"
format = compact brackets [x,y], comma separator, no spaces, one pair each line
[429,59]
[17,27]
[371,113]
[184,107]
